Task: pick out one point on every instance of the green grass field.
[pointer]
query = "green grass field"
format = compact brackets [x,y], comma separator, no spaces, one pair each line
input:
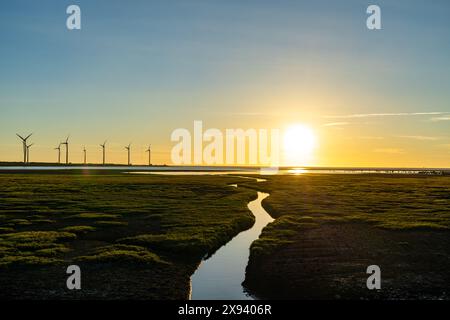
[134,236]
[329,228]
[142,236]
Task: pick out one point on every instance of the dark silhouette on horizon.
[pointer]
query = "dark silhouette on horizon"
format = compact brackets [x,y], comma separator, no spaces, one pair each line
[103,147]
[66,143]
[128,149]
[59,153]
[149,155]
[24,142]
[28,152]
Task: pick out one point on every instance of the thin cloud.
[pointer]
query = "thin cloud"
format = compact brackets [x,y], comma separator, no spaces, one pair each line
[371,138]
[440,119]
[398,114]
[335,124]
[422,138]
[253,114]
[389,150]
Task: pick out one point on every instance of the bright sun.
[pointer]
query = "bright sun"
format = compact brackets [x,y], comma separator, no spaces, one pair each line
[299,142]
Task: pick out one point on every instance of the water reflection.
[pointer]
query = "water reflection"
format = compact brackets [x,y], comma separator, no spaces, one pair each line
[221,276]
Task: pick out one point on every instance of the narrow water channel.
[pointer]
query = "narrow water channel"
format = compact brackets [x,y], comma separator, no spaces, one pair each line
[221,275]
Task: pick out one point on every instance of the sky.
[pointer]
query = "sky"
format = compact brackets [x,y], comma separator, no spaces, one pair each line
[138,70]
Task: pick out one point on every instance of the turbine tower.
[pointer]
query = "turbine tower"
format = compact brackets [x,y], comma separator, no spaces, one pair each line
[149,155]
[24,143]
[66,143]
[59,152]
[128,149]
[103,147]
[84,152]
[28,152]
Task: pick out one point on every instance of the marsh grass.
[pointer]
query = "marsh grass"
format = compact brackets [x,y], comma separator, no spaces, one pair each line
[33,247]
[393,202]
[329,228]
[122,254]
[141,222]
[102,216]
[79,229]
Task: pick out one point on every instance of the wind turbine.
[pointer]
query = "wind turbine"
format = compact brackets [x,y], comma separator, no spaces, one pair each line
[84,152]
[24,143]
[128,149]
[103,147]
[28,152]
[59,152]
[149,155]
[67,148]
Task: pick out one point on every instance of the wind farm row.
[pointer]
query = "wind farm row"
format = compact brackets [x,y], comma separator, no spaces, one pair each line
[26,151]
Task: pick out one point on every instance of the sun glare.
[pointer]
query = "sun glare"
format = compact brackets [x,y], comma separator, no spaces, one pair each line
[298,143]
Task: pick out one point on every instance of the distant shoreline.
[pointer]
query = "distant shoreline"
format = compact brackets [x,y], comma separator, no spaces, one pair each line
[209,167]
[15,167]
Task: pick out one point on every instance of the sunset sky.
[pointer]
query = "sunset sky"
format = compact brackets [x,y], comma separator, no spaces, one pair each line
[137,70]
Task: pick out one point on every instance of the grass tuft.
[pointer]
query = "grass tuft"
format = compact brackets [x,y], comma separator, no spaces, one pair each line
[123,254]
[79,229]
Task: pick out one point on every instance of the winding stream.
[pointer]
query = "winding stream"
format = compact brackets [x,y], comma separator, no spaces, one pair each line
[220,277]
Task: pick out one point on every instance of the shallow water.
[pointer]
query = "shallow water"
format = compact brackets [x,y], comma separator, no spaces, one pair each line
[207,170]
[144,169]
[221,275]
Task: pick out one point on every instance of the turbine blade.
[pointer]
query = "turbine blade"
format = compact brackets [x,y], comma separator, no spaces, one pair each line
[20,136]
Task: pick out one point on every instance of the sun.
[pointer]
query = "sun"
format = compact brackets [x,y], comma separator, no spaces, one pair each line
[299,142]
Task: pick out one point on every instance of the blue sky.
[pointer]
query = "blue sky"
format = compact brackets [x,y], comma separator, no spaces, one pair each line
[139,69]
